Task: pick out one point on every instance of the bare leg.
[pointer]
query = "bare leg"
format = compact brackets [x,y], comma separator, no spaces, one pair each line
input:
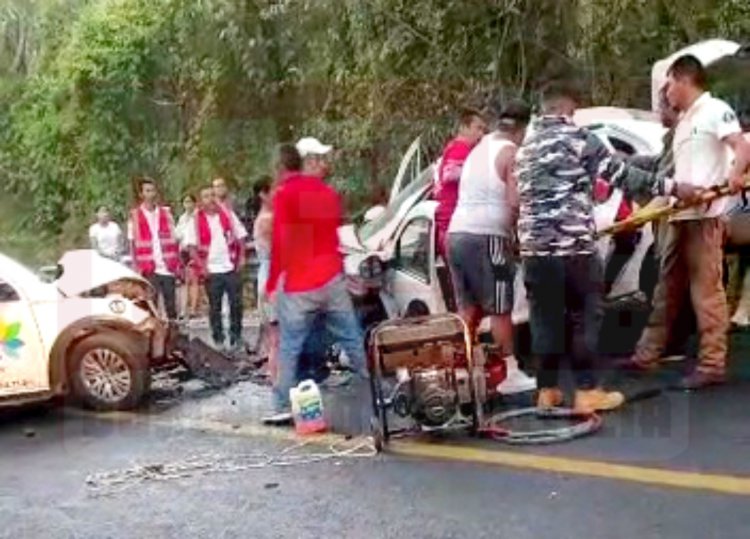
[182,299]
[193,296]
[501,327]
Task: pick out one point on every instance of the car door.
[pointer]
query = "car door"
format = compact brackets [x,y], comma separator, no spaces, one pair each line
[409,169]
[413,277]
[23,365]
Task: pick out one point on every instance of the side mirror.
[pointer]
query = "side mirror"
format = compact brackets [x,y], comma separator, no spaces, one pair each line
[373,213]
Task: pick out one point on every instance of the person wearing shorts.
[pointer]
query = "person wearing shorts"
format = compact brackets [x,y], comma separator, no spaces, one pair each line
[480,236]
[484,272]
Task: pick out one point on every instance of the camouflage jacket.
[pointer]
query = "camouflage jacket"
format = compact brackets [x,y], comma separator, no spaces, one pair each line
[557,166]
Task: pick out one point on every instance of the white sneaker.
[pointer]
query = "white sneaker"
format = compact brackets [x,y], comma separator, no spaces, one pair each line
[516,381]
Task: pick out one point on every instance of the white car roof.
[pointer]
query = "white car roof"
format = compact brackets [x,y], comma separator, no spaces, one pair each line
[589,115]
[650,133]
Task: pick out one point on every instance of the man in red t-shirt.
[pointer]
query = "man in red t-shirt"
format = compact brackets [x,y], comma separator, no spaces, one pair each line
[471,129]
[306,271]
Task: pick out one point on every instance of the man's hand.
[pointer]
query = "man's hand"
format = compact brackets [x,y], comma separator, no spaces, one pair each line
[685,192]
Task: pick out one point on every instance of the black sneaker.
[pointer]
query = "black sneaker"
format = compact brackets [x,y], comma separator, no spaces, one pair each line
[278,419]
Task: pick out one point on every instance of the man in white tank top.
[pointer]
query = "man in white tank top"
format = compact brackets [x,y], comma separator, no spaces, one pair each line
[480,237]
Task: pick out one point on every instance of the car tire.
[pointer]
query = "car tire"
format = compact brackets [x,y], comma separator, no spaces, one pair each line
[107,373]
[416,308]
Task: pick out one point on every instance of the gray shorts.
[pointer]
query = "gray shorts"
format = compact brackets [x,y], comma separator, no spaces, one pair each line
[483,272]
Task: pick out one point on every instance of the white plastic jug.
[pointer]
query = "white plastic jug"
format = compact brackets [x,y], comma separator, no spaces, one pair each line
[307,408]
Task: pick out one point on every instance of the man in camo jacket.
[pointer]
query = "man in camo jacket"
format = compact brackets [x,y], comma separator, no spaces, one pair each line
[556,167]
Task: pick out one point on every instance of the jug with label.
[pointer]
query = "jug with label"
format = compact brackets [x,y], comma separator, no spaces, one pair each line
[307,408]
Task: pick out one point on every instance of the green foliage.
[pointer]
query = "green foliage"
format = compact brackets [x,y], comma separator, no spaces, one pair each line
[95,92]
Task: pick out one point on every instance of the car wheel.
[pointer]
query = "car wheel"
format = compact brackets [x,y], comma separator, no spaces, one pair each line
[416,308]
[106,373]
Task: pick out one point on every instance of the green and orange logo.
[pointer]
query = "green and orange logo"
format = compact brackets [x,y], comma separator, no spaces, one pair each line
[9,341]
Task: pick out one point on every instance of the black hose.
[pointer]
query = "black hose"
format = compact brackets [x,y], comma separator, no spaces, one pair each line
[588,424]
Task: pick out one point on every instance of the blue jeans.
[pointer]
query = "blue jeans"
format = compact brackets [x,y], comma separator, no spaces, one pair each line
[297,314]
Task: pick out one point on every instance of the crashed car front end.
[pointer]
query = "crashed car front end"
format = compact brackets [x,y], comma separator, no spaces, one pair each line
[160,332]
[114,294]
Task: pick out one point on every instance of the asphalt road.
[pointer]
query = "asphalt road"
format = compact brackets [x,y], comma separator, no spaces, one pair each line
[46,457]
[674,465]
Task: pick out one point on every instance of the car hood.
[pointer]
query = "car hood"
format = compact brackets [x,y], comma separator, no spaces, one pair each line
[85,270]
[348,240]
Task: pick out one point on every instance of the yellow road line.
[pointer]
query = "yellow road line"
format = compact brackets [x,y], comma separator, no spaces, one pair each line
[725,484]
[661,477]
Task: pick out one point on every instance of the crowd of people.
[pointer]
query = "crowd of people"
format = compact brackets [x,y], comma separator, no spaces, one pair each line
[525,193]
[301,286]
[509,190]
[205,246]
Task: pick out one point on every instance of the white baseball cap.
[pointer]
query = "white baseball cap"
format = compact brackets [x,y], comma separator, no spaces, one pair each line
[312,146]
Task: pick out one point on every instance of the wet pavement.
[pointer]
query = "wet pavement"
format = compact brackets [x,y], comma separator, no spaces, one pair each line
[55,465]
[194,462]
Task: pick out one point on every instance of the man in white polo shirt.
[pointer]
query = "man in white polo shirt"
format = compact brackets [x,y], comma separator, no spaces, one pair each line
[709,150]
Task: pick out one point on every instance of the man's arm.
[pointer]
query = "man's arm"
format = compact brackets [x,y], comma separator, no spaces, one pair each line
[741,149]
[92,237]
[278,231]
[505,166]
[648,163]
[119,241]
[635,183]
[240,233]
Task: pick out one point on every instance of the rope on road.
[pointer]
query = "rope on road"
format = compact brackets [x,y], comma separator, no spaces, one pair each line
[111,482]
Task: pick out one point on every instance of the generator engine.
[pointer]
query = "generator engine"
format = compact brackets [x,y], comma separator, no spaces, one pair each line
[433,397]
[435,401]
[422,371]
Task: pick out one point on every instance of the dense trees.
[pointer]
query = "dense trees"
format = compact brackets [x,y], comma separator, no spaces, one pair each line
[95,91]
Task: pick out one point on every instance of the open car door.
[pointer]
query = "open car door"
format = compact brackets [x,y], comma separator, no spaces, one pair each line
[408,170]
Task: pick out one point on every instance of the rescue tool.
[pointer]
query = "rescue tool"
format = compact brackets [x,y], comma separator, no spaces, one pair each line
[647,215]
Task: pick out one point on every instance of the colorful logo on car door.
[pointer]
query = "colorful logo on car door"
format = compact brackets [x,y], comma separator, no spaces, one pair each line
[10,343]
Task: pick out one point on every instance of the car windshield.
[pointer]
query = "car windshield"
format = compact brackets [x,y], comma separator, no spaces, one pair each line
[368,230]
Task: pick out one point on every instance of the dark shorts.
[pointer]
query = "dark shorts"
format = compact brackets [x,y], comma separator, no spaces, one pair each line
[483,271]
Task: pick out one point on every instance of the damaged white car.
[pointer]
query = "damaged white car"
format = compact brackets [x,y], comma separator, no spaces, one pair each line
[93,333]
[396,242]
